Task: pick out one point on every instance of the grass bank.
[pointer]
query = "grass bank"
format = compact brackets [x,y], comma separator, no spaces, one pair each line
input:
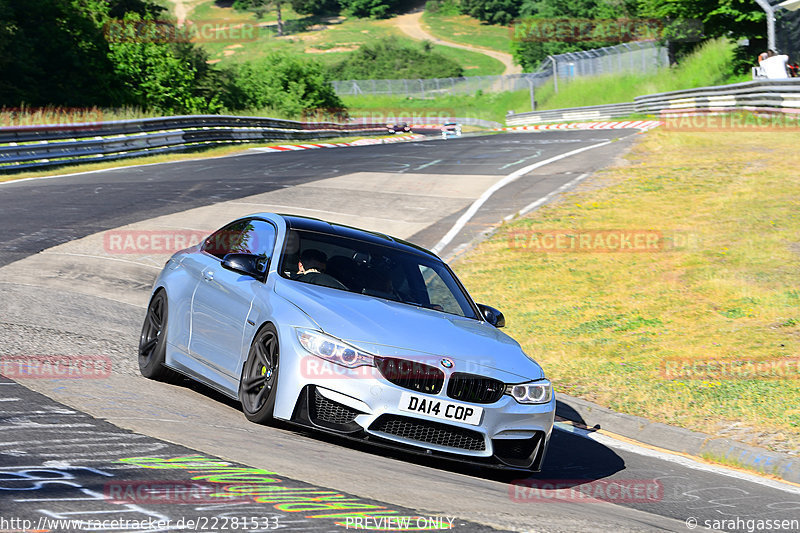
[326,39]
[466,30]
[605,325]
[489,106]
[710,65]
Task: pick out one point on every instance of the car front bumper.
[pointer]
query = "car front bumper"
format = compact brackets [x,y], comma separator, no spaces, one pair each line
[362,403]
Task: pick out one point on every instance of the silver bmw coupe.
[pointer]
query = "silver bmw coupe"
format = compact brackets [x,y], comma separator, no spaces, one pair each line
[349,332]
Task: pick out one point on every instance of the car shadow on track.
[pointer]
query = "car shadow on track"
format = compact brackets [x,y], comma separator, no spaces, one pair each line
[571,459]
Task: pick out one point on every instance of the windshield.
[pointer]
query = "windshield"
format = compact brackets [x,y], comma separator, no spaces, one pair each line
[373,270]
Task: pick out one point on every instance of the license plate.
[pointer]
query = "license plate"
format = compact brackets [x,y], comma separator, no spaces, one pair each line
[442,409]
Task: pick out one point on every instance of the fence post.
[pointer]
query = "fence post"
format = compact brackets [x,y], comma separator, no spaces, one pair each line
[555,73]
[533,101]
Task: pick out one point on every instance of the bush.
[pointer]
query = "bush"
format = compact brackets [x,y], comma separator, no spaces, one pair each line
[370,8]
[315,7]
[159,76]
[500,12]
[443,7]
[390,59]
[285,83]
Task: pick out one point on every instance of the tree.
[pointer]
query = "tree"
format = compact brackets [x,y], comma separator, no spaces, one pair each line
[286,83]
[370,8]
[53,52]
[534,37]
[315,7]
[734,19]
[500,12]
[259,7]
[153,76]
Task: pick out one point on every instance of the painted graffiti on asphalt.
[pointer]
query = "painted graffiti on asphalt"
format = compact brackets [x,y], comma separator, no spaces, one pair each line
[267,487]
[63,470]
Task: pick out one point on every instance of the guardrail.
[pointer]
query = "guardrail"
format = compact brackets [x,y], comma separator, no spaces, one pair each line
[595,112]
[37,146]
[772,95]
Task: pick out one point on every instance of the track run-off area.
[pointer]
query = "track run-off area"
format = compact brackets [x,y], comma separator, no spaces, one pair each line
[80,253]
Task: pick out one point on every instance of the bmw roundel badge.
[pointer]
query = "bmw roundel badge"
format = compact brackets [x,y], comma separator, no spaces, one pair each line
[447,363]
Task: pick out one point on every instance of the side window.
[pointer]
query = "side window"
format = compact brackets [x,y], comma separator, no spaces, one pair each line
[243,236]
[258,238]
[223,241]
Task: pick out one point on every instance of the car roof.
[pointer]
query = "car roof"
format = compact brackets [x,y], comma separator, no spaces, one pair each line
[296,222]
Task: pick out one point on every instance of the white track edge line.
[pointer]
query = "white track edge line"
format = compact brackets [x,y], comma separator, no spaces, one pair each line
[477,204]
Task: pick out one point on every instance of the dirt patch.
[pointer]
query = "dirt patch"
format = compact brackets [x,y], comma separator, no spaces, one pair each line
[778,442]
[348,48]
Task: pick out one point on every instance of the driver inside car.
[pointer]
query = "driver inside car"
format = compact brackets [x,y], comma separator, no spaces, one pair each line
[311,269]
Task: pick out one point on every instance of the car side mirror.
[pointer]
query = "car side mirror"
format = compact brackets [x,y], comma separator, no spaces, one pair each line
[492,316]
[247,264]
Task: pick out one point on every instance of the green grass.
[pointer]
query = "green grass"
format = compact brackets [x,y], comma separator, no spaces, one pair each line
[489,106]
[325,39]
[466,30]
[710,65]
[602,324]
[473,63]
[210,11]
[321,45]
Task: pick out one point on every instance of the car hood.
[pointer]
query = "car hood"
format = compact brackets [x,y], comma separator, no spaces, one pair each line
[389,328]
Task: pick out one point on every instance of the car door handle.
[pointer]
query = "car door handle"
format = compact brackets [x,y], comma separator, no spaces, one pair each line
[208,276]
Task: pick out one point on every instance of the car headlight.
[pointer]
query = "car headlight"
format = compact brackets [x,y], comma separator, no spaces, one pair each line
[332,349]
[534,392]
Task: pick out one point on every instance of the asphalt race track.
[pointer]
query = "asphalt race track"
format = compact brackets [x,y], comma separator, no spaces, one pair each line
[123,447]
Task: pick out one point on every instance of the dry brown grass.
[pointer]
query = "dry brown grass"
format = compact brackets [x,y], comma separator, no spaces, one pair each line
[603,323]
